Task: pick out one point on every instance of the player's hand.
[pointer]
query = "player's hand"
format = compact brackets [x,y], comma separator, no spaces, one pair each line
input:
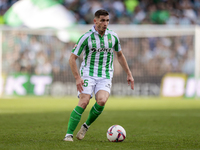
[130,81]
[79,84]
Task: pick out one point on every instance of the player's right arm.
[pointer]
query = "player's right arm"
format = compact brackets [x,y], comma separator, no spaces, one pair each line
[73,66]
[76,52]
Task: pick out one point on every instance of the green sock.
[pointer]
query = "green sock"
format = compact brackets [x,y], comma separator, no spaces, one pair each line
[74,119]
[95,111]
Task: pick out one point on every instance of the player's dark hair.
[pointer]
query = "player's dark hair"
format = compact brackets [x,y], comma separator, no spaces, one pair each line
[100,12]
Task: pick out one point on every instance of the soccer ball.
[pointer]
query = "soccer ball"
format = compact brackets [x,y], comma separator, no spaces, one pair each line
[116,133]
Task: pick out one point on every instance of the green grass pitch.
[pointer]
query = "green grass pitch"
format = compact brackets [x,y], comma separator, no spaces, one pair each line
[40,123]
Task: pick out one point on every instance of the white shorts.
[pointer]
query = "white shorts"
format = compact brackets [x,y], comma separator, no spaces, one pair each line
[94,84]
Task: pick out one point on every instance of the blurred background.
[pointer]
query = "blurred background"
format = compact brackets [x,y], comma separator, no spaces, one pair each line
[37,37]
[184,12]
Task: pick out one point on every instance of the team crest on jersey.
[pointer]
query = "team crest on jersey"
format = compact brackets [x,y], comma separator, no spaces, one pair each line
[75,46]
[110,41]
[93,41]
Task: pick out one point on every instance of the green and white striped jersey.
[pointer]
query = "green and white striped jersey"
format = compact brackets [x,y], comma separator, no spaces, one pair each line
[97,53]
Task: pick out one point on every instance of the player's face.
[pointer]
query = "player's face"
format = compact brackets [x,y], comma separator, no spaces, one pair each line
[101,23]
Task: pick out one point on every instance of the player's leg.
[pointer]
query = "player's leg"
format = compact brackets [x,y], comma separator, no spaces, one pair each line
[75,116]
[102,91]
[97,109]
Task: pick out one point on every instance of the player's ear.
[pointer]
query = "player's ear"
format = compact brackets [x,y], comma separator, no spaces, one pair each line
[95,20]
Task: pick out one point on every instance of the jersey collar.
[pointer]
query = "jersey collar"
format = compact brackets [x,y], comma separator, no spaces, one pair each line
[95,31]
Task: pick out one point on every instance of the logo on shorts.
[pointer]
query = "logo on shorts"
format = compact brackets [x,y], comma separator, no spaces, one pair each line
[108,86]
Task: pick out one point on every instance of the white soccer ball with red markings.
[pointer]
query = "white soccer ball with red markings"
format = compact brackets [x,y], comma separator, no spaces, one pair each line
[116,133]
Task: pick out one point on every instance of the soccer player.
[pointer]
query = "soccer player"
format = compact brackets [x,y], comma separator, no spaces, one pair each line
[96,71]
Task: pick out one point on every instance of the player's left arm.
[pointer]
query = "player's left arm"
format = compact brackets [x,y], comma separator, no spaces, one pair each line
[122,60]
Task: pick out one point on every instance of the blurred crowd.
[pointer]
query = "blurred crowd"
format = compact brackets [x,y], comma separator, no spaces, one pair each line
[138,11]
[184,12]
[35,54]
[46,54]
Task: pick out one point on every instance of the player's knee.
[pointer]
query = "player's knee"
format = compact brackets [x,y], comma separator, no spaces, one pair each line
[83,104]
[101,101]
[84,100]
